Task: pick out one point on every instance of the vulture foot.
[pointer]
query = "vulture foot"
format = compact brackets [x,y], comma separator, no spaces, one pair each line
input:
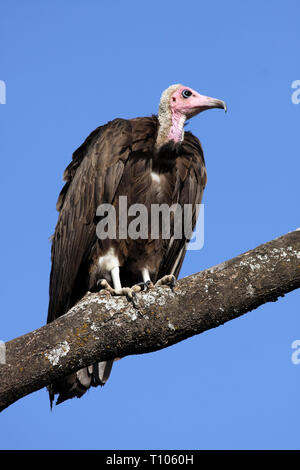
[129,292]
[168,280]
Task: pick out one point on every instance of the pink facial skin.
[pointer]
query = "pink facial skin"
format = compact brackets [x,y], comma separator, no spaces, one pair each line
[183,108]
[194,104]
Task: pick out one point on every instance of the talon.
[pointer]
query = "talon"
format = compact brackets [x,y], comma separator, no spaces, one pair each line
[131,297]
[143,286]
[173,283]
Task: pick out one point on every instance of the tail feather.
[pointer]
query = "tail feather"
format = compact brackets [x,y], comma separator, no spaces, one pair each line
[101,372]
[76,384]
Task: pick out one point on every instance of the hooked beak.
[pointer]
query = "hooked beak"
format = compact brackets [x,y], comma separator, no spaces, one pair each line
[201,103]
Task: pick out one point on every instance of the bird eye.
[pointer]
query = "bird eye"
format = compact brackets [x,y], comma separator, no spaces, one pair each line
[186,93]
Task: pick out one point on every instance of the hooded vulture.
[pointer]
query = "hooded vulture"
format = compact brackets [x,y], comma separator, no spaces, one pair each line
[150,160]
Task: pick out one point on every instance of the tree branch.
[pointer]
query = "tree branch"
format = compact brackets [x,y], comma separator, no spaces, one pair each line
[101,327]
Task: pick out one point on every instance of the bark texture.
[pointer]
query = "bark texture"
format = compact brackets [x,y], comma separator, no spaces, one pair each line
[101,327]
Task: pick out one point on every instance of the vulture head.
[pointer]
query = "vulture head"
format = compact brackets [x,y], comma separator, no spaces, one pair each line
[178,103]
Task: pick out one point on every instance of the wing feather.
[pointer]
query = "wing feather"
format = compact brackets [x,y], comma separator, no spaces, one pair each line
[91,178]
[190,183]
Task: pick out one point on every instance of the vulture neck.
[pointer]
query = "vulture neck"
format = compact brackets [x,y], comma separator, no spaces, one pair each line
[171,128]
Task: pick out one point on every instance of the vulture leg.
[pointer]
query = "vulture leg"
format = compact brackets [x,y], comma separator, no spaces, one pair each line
[147,283]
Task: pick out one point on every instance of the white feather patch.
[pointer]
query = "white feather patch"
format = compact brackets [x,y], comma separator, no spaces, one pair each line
[109,261]
[155,177]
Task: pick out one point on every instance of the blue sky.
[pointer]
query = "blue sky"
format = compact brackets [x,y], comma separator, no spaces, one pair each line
[70,66]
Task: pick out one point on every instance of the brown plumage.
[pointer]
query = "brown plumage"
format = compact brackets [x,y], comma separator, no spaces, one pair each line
[118,159]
